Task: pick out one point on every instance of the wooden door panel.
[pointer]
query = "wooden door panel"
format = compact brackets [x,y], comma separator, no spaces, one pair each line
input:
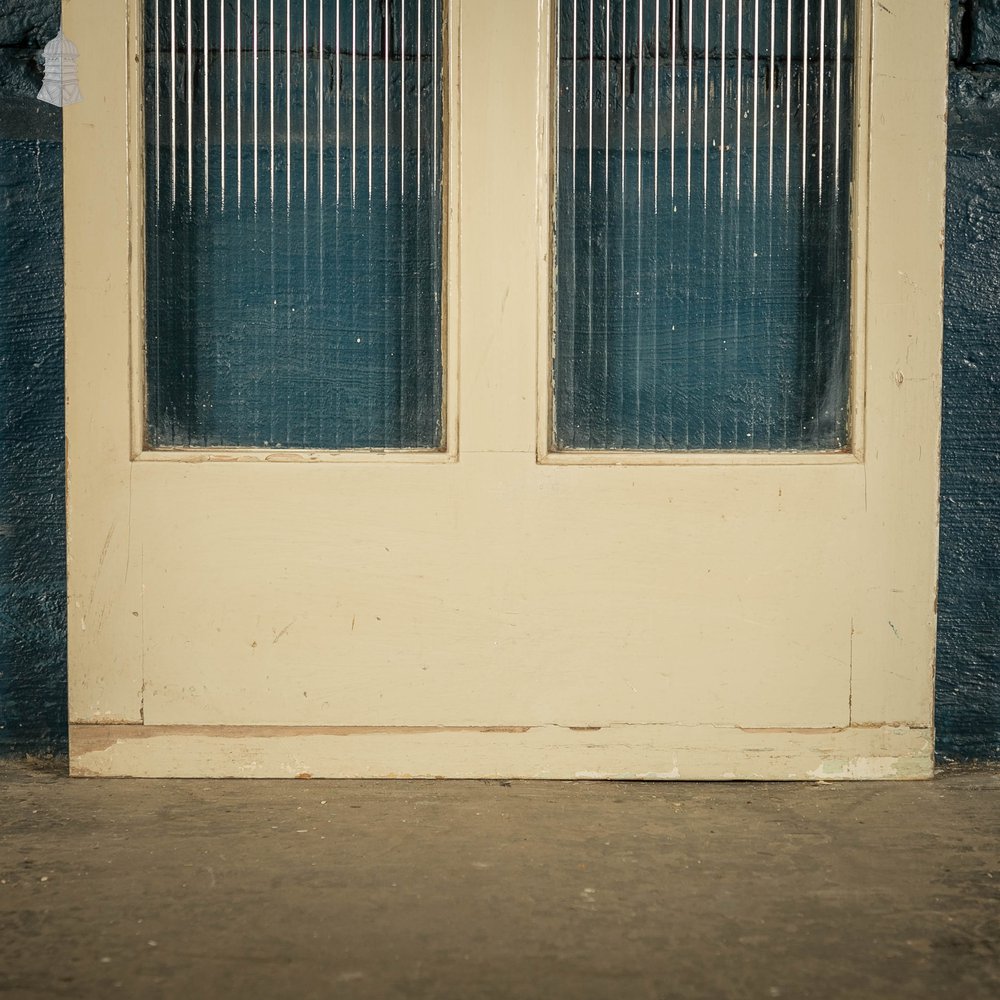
[500,608]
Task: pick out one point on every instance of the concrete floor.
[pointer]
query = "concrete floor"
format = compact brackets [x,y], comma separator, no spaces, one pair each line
[509,890]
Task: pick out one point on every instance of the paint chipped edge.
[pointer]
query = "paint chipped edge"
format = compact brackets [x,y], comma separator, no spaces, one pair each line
[647,752]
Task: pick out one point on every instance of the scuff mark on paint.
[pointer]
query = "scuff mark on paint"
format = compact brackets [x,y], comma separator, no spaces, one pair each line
[859,768]
[673,775]
[850,678]
[279,635]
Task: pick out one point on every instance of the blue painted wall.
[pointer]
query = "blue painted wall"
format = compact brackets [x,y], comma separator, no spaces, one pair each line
[968,672]
[32,513]
[32,537]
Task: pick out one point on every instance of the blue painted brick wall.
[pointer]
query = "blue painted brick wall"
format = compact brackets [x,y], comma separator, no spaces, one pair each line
[968,669]
[32,513]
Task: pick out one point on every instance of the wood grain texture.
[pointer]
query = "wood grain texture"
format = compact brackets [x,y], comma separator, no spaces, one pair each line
[103,566]
[652,753]
[906,155]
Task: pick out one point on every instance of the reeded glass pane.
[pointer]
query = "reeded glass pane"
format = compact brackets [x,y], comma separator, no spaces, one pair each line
[703,224]
[293,239]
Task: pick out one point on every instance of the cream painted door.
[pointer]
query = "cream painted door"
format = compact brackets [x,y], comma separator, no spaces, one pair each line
[501,608]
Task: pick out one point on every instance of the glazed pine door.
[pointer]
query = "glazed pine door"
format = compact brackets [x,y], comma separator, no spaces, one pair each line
[513,594]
